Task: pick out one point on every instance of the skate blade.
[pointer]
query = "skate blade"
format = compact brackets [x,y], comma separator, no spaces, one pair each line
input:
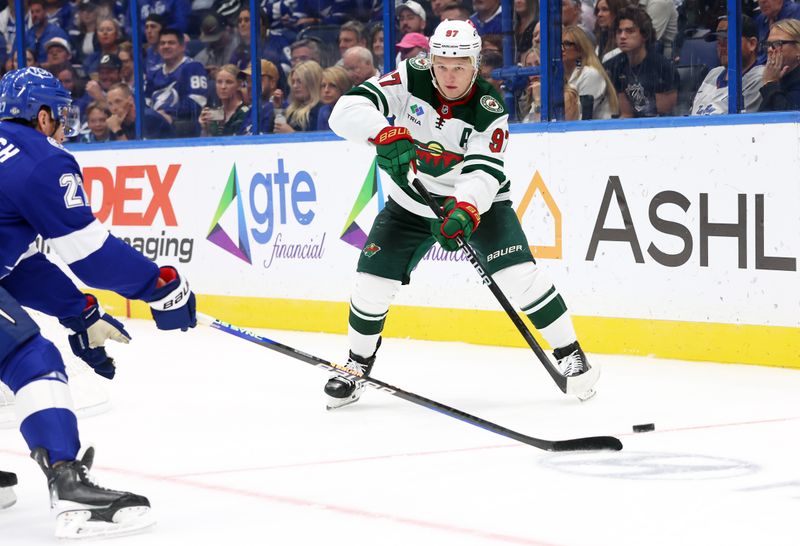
[336,403]
[77,524]
[588,395]
[7,497]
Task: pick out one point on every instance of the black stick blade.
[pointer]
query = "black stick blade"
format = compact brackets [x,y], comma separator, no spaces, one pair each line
[581,444]
[593,443]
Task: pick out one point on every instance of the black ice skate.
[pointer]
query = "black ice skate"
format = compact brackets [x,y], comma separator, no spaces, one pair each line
[572,363]
[83,508]
[342,390]
[7,482]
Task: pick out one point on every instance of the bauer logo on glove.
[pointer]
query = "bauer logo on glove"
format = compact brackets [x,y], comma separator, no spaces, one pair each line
[173,303]
[396,152]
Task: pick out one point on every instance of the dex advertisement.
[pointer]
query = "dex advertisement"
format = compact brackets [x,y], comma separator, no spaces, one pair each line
[661,224]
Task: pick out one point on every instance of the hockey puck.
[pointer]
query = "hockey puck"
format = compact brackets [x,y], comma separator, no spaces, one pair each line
[647,427]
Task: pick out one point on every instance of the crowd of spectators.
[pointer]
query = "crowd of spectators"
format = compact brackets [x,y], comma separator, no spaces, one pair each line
[621,58]
[664,58]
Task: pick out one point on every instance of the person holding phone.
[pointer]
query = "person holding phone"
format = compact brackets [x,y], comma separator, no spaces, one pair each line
[228,118]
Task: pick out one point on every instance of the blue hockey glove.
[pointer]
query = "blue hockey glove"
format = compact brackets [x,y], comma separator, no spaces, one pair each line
[172,303]
[90,331]
[460,218]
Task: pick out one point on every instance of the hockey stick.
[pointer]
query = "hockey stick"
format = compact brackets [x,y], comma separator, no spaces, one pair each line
[569,385]
[579,444]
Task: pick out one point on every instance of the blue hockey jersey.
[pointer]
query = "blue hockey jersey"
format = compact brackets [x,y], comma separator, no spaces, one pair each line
[174,12]
[181,93]
[41,193]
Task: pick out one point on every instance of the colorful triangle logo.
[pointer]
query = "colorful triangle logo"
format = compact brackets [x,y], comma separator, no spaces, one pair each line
[217,235]
[352,233]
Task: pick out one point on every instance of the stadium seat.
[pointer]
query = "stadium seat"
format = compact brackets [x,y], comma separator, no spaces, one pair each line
[690,79]
[698,51]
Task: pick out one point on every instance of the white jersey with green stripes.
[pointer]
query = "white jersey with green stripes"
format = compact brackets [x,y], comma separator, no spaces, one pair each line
[460,144]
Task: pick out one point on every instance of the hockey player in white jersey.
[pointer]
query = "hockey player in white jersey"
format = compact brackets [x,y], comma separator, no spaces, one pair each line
[41,193]
[451,129]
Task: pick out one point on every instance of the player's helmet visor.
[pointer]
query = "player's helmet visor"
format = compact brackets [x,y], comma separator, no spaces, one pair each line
[69,116]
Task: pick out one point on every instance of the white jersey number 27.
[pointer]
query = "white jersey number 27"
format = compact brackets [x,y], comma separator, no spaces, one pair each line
[75,195]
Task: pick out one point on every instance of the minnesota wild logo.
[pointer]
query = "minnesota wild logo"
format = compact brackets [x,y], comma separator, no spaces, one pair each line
[420,63]
[371,249]
[434,160]
[491,104]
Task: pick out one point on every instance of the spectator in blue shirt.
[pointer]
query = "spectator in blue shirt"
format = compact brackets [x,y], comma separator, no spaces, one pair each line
[178,88]
[772,11]
[61,13]
[269,83]
[347,10]
[305,13]
[174,12]
[272,46]
[42,31]
[487,16]
[153,25]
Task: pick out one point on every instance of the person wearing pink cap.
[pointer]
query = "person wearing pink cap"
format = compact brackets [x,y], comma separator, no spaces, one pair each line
[412,45]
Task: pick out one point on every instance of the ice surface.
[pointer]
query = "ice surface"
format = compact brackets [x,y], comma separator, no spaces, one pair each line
[232,444]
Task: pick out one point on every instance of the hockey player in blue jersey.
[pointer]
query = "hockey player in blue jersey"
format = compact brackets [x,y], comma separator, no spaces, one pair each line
[41,193]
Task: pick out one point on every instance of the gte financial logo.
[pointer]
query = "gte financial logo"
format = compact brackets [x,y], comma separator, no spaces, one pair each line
[738,228]
[270,197]
[138,196]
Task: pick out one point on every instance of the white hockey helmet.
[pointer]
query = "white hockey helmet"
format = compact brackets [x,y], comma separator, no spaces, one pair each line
[456,39]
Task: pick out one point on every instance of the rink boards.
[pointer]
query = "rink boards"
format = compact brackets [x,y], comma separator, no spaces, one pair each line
[679,242]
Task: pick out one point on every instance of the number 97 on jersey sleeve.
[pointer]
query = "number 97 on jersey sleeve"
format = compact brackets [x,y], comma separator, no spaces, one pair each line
[499,141]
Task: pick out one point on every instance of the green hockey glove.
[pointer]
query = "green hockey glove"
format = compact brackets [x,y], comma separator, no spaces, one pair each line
[460,218]
[396,153]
